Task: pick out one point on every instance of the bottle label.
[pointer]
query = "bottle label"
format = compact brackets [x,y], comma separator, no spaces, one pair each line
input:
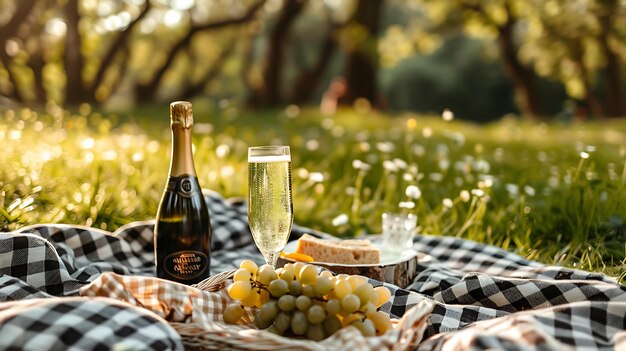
[184,185]
[186,264]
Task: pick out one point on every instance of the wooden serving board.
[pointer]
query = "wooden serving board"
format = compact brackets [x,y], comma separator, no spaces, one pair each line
[399,273]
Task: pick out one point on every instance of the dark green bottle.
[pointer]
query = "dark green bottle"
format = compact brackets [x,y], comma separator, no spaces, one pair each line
[182,242]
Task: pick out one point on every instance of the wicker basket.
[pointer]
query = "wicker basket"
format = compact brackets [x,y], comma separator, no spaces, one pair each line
[407,332]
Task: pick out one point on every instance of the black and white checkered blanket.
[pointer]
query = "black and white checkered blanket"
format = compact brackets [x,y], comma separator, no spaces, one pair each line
[485,297]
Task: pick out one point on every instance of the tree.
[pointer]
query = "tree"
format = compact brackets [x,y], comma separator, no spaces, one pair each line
[268,94]
[362,52]
[93,75]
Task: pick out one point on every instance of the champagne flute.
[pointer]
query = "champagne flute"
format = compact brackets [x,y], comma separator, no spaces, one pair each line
[270,206]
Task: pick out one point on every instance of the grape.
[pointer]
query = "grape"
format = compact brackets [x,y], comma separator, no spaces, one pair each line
[242,275]
[364,292]
[309,290]
[381,321]
[297,268]
[268,311]
[266,274]
[327,274]
[239,290]
[249,265]
[264,296]
[368,308]
[252,299]
[287,274]
[295,288]
[233,313]
[316,314]
[366,327]
[331,324]
[308,274]
[303,302]
[282,321]
[374,297]
[350,303]
[333,306]
[261,323]
[356,281]
[384,295]
[342,288]
[315,332]
[272,329]
[323,285]
[299,323]
[278,288]
[287,303]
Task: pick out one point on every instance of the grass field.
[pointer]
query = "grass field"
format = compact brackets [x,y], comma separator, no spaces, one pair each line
[550,192]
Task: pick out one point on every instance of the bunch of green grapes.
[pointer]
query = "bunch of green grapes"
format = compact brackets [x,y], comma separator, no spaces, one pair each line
[295,300]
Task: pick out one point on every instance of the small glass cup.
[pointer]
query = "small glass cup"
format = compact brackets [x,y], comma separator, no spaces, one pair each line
[398,230]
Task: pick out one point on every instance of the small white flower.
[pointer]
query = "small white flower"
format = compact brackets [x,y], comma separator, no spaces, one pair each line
[364,146]
[358,164]
[222,150]
[482,166]
[302,173]
[407,204]
[400,163]
[316,177]
[464,195]
[312,145]
[478,192]
[227,171]
[408,177]
[584,155]
[447,115]
[447,203]
[413,192]
[386,147]
[529,190]
[419,150]
[435,177]
[513,189]
[340,220]
[444,164]
[390,166]
[427,132]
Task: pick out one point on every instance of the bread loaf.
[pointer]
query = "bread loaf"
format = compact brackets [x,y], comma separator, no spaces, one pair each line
[339,251]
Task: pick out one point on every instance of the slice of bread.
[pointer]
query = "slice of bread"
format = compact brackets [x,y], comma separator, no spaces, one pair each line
[339,251]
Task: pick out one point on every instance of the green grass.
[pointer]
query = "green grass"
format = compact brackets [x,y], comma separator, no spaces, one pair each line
[550,192]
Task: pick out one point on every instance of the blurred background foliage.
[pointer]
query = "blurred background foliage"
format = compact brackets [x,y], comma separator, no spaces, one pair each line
[481,58]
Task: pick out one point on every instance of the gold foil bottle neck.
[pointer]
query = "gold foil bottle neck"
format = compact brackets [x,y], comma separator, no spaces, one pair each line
[181,114]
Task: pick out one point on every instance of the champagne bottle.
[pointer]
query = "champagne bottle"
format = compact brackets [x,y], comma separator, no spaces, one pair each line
[182,244]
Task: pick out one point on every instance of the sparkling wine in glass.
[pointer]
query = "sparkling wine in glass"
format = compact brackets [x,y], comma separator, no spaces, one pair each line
[270,206]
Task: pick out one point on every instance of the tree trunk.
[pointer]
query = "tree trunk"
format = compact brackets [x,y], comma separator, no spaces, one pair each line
[523,78]
[274,58]
[8,31]
[591,99]
[362,60]
[73,59]
[307,81]
[614,88]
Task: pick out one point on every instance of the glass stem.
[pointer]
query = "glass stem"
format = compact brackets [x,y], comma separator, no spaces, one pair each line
[271,258]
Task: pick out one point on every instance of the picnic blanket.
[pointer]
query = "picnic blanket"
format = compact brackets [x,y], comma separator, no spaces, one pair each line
[484,297]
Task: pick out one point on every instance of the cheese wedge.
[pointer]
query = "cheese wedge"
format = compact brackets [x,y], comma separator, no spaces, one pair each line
[354,251]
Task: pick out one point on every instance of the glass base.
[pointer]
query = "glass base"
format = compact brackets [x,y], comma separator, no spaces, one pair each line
[271,258]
